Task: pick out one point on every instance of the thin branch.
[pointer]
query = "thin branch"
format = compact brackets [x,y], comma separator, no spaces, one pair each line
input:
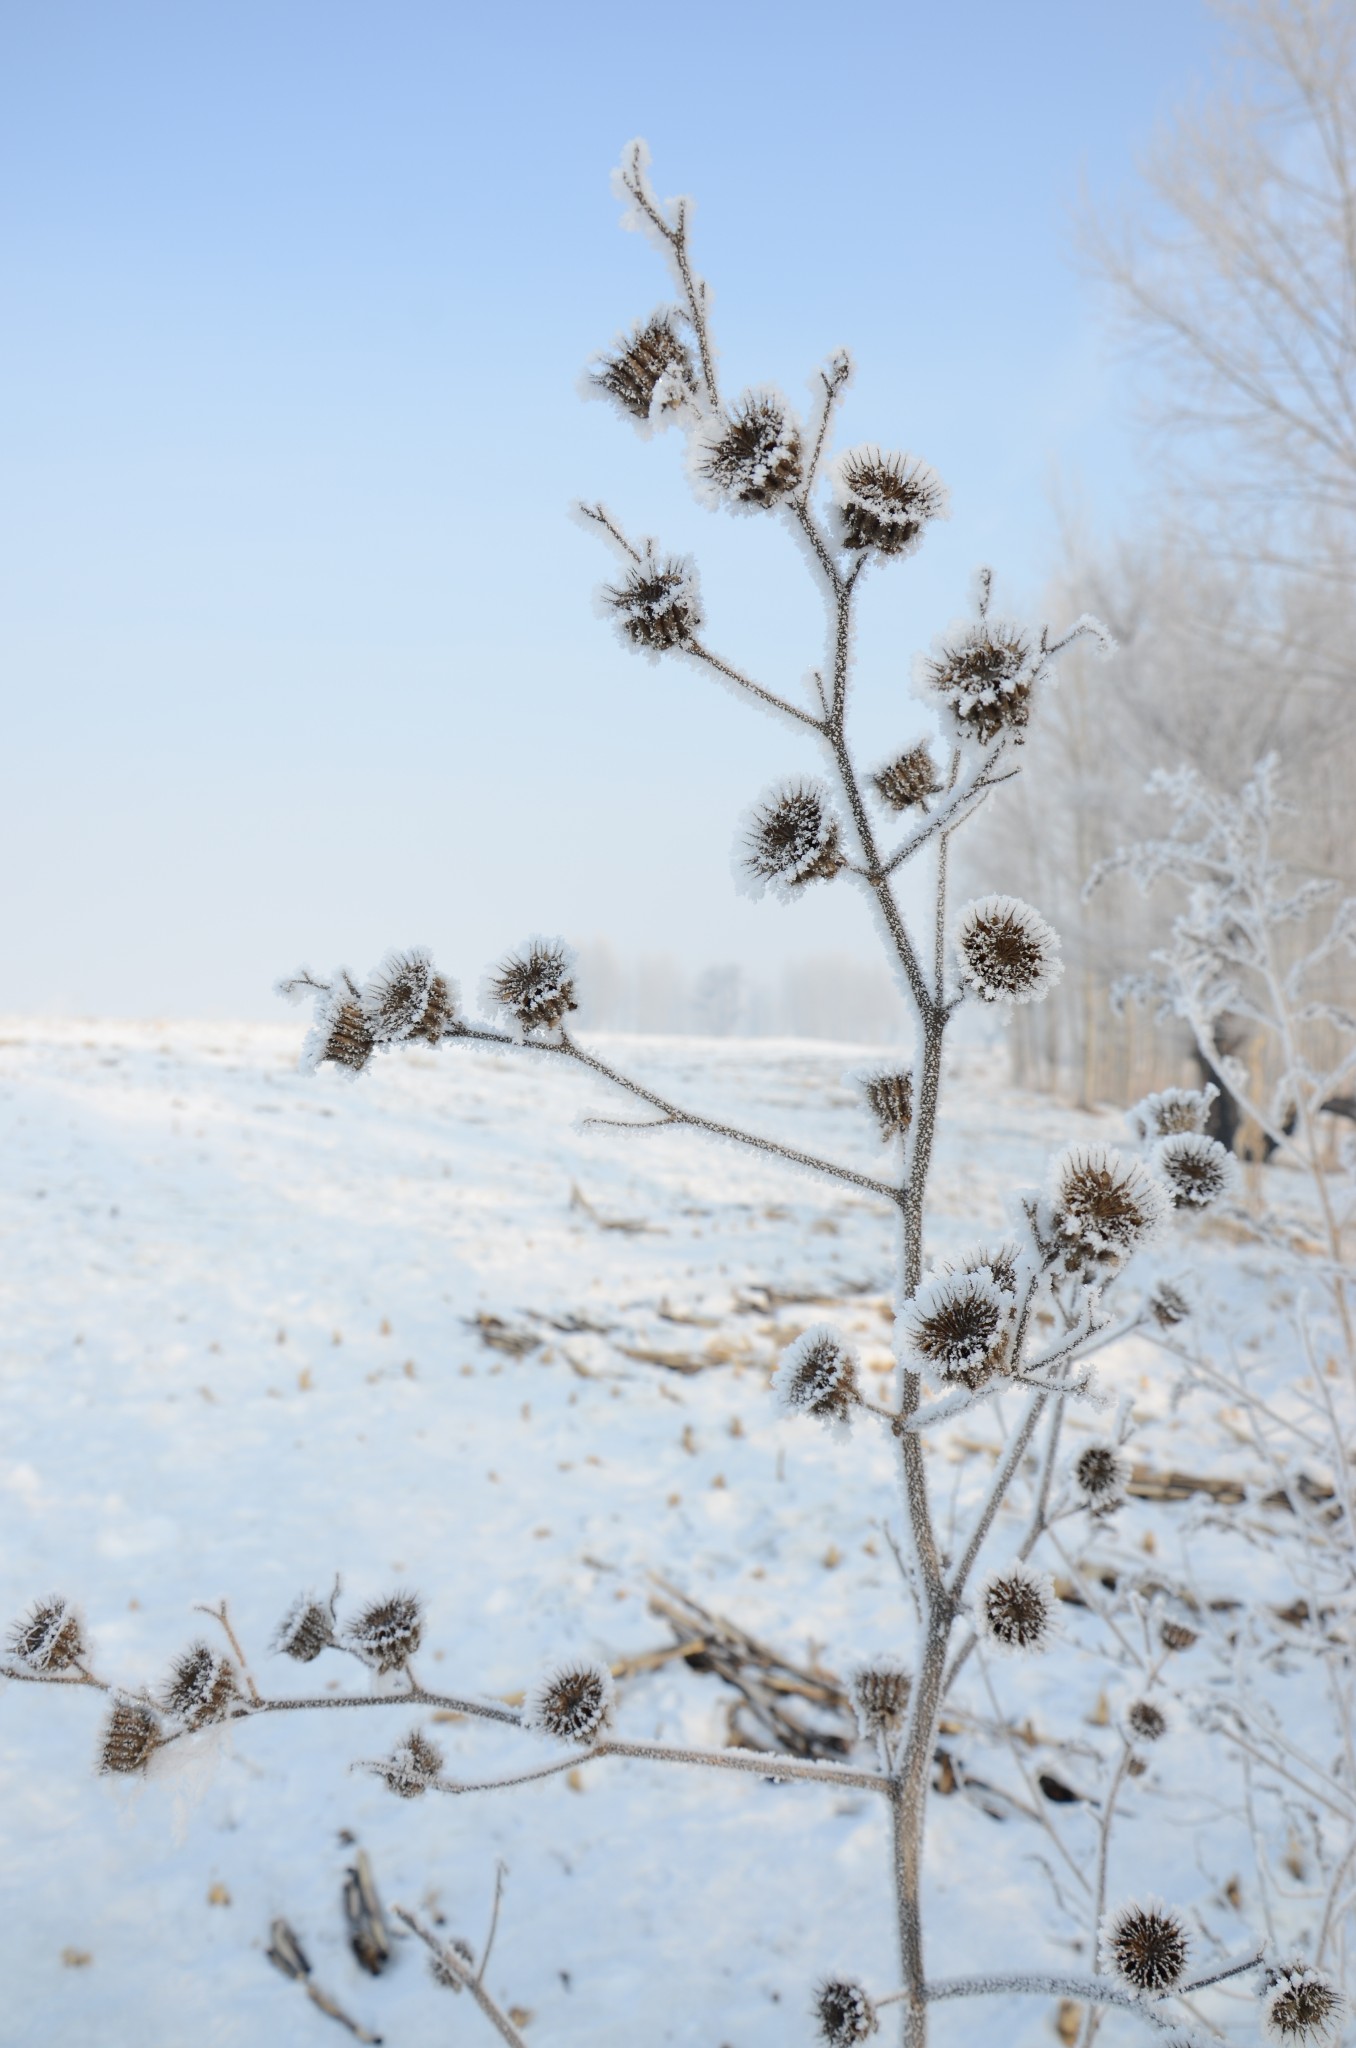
[456,1967]
[760,1763]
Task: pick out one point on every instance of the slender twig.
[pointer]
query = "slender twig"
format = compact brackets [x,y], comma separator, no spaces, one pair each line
[458,1969]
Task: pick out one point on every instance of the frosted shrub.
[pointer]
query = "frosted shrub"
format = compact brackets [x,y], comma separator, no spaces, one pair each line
[1008,1328]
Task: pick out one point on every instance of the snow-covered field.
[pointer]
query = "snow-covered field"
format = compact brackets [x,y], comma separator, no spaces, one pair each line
[240,1353]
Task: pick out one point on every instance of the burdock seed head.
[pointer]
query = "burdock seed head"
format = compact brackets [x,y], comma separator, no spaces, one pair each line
[341,1034]
[1100,1473]
[909,780]
[1146,1721]
[652,355]
[129,1736]
[574,1701]
[407,998]
[387,1632]
[1302,2005]
[1197,1170]
[959,1326]
[790,837]
[1171,1110]
[535,986]
[412,1766]
[750,459]
[817,1376]
[844,2012]
[1175,1635]
[1168,1305]
[306,1629]
[656,606]
[201,1687]
[880,1695]
[1105,1205]
[1144,1944]
[985,672]
[886,501]
[1007,952]
[889,1097]
[49,1637]
[1016,1608]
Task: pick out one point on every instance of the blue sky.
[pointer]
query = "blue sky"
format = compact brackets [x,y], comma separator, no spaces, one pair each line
[298,652]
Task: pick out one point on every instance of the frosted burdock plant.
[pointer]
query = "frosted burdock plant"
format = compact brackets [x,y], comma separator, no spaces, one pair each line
[1008,1327]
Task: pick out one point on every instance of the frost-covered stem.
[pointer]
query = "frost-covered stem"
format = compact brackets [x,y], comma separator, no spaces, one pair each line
[698,652]
[469,1980]
[22,1677]
[417,1697]
[220,1614]
[495,1904]
[1098,1990]
[958,807]
[1035,1529]
[759,1763]
[1093,2019]
[672,1114]
[908,1804]
[998,1486]
[1033,1792]
[833,382]
[633,177]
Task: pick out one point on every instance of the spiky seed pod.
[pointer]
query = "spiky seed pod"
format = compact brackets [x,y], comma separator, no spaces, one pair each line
[789,838]
[1016,1608]
[817,1375]
[986,673]
[1100,1473]
[1144,1944]
[442,1971]
[202,1687]
[49,1637]
[1008,953]
[1175,1635]
[655,353]
[844,2012]
[305,1630]
[128,1737]
[1145,1721]
[959,1326]
[998,1260]
[1168,1305]
[341,1033]
[909,780]
[1170,1111]
[386,1633]
[1302,2005]
[574,1701]
[656,606]
[889,1097]
[886,501]
[535,986]
[1198,1171]
[880,1695]
[753,457]
[407,998]
[1105,1206]
[412,1766]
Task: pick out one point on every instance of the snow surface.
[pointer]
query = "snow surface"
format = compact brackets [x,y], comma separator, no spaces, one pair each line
[239,1355]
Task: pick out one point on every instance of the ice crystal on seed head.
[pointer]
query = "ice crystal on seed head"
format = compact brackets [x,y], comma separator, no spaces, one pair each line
[127,1738]
[407,998]
[1168,1305]
[49,1637]
[654,354]
[1146,1721]
[885,501]
[1008,953]
[412,1766]
[387,1632]
[985,672]
[306,1629]
[750,459]
[889,1097]
[1016,1608]
[844,2012]
[535,986]
[574,1701]
[1302,2005]
[789,838]
[1198,1170]
[1100,1473]
[880,1695]
[909,780]
[817,1375]
[959,1326]
[1144,1944]
[1105,1205]
[202,1687]
[1171,1110]
[656,606]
